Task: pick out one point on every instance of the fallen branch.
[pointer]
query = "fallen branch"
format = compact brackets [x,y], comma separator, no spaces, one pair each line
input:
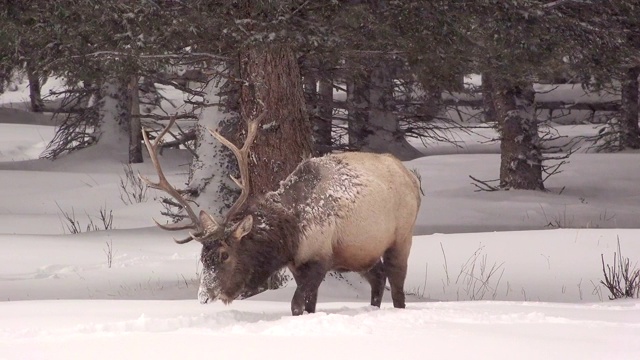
[484,185]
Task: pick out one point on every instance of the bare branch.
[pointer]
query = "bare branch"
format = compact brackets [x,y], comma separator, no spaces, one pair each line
[484,185]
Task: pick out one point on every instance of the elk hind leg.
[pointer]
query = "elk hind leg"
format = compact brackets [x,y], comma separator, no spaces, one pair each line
[377,279]
[395,265]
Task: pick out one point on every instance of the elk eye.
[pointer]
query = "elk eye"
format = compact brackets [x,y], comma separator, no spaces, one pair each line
[224,256]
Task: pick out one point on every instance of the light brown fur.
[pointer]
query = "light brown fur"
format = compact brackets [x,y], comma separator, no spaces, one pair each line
[381,215]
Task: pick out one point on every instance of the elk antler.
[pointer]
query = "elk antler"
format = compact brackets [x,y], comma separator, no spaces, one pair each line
[164,185]
[242,155]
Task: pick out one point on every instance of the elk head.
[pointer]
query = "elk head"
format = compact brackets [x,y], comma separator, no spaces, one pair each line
[222,272]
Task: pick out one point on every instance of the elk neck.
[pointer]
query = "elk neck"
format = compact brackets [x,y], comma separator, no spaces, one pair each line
[273,242]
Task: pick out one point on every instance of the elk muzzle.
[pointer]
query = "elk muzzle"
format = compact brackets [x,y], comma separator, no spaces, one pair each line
[209,287]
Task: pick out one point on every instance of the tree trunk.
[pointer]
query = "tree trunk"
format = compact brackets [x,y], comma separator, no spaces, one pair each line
[310,86]
[86,97]
[319,99]
[150,98]
[209,180]
[37,105]
[4,77]
[114,115]
[284,138]
[520,155]
[135,131]
[310,92]
[358,105]
[431,103]
[384,134]
[489,109]
[322,128]
[629,129]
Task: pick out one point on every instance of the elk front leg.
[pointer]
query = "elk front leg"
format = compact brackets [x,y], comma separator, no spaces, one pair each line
[308,278]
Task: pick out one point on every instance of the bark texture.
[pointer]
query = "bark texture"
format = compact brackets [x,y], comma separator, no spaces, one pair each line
[114,114]
[323,122]
[629,130]
[135,138]
[373,124]
[284,138]
[4,77]
[489,108]
[37,105]
[358,104]
[319,98]
[520,154]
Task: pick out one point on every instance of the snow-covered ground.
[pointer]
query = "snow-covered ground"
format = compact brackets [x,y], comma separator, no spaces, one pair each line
[491,275]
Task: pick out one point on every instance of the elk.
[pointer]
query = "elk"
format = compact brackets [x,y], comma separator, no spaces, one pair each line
[345,212]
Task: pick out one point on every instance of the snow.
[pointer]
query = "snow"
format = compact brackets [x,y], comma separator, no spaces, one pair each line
[255,329]
[496,275]
[206,172]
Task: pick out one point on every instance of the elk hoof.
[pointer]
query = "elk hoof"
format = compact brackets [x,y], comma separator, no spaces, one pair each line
[297,312]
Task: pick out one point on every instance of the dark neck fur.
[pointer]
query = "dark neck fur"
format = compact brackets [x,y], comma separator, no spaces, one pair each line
[273,241]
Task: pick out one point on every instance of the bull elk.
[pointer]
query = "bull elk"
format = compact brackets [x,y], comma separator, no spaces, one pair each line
[344,212]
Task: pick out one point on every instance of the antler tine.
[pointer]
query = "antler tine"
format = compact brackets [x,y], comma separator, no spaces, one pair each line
[184,241]
[242,156]
[164,185]
[173,227]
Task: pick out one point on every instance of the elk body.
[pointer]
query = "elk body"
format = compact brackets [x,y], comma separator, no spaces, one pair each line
[345,212]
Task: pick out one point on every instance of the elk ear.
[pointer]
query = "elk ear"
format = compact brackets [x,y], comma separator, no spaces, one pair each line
[208,222]
[243,227]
